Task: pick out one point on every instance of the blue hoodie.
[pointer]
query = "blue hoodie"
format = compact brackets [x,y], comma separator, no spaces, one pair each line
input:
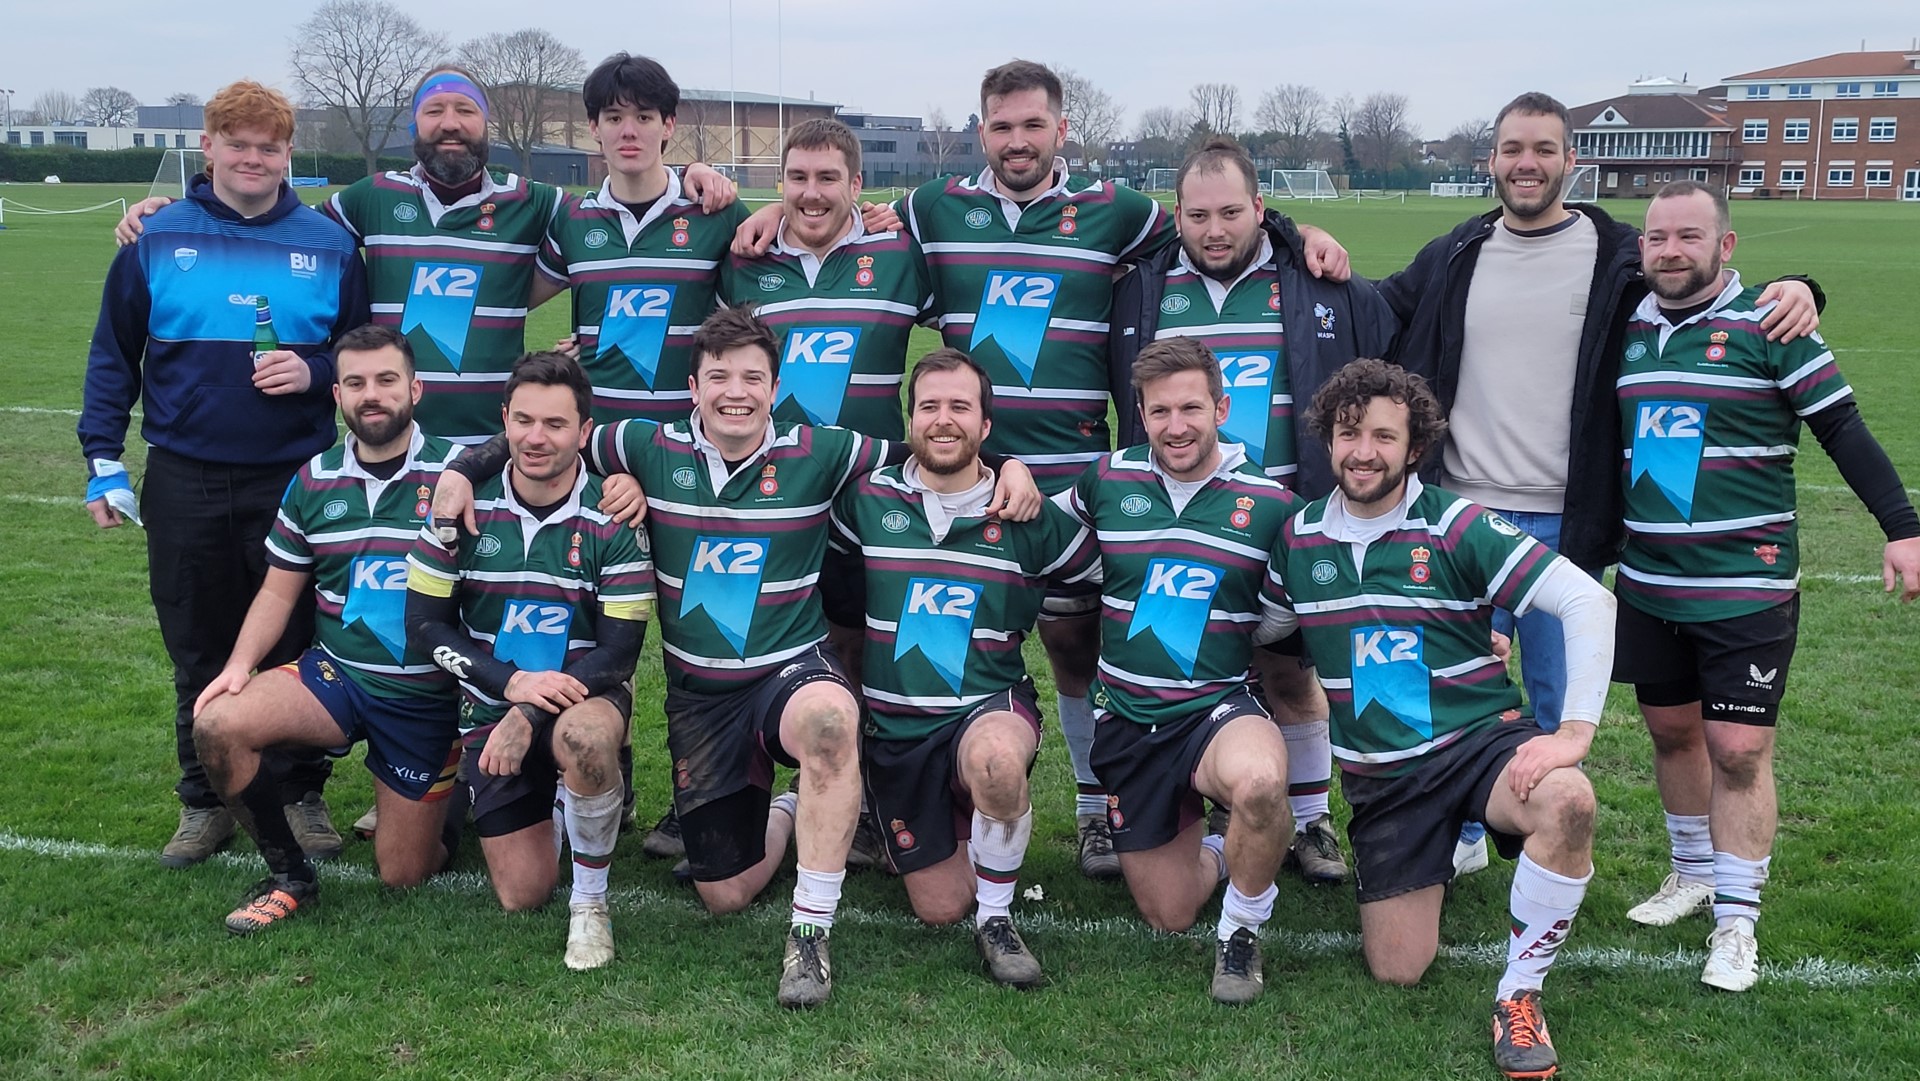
[176,329]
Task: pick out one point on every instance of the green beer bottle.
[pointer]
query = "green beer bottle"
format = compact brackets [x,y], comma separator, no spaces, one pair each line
[264,339]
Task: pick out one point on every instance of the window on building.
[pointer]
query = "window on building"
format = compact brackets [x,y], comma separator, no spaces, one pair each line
[70,138]
[1759,91]
[1795,177]
[1752,176]
[878,146]
[1846,90]
[1879,178]
[1697,175]
[1753,131]
[1882,129]
[13,138]
[160,140]
[1795,131]
[1799,91]
[1840,178]
[39,138]
[1846,129]
[140,138]
[1886,90]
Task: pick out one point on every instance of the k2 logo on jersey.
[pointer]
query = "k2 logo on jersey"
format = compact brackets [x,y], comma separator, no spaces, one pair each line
[1015,308]
[1175,604]
[1668,438]
[937,619]
[1390,668]
[817,365]
[635,323]
[440,304]
[724,579]
[533,635]
[1249,385]
[377,598]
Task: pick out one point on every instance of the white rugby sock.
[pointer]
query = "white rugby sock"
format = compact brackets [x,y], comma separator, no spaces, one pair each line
[1241,912]
[998,848]
[1542,905]
[1736,887]
[1217,844]
[816,897]
[1692,848]
[1309,770]
[593,826]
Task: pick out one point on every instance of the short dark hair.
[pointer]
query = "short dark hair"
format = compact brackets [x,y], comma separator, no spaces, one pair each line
[638,81]
[1343,400]
[369,337]
[730,327]
[546,369]
[1170,356]
[824,133]
[1534,103]
[1016,75]
[1214,157]
[948,359]
[1721,214]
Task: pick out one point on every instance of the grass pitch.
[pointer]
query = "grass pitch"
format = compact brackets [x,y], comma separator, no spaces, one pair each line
[111,966]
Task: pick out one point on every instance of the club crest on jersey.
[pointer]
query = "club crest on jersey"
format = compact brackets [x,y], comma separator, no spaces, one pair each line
[1718,337]
[1716,352]
[863,276]
[184,258]
[1015,309]
[937,619]
[377,600]
[595,238]
[991,534]
[1273,298]
[573,551]
[1390,670]
[1668,440]
[1420,572]
[1175,603]
[680,226]
[723,579]
[816,366]
[405,212]
[1067,224]
[635,322]
[1248,380]
[979,218]
[1767,553]
[1242,512]
[768,484]
[440,304]
[902,837]
[486,218]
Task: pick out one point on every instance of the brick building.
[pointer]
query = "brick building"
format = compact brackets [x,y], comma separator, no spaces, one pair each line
[1659,130]
[1845,126]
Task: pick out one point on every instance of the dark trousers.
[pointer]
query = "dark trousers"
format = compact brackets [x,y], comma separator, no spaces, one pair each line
[207,527]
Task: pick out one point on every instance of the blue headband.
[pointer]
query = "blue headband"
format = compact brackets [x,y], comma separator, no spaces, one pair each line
[446,82]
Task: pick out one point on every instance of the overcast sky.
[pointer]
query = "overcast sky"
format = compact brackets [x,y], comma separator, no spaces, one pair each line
[1453,62]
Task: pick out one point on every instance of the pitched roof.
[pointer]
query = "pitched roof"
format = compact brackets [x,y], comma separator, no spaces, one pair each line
[1840,66]
[1653,111]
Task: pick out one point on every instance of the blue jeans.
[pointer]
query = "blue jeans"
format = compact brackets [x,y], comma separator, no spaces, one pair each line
[1542,645]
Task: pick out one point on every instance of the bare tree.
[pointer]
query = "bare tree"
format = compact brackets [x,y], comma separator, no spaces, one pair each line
[183,99]
[942,141]
[529,76]
[109,107]
[1215,106]
[700,127]
[1161,122]
[1343,109]
[1296,115]
[53,107]
[1093,117]
[1380,132]
[361,58]
[1465,142]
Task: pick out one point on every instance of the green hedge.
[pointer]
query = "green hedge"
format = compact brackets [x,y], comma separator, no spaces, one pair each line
[76,166]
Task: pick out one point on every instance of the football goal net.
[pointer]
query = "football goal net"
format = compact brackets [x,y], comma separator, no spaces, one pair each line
[1583,184]
[176,168]
[17,209]
[1303,184]
[1160,179]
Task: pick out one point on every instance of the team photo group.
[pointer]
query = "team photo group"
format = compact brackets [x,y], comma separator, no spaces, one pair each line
[1265,516]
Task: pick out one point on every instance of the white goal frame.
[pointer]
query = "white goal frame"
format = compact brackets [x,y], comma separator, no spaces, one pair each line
[1303,184]
[1583,185]
[1160,179]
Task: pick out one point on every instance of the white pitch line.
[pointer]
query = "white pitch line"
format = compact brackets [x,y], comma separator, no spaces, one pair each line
[1841,489]
[1812,971]
[1772,232]
[39,409]
[42,500]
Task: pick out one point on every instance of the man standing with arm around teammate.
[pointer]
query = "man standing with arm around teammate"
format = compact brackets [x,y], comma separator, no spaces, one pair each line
[1710,414]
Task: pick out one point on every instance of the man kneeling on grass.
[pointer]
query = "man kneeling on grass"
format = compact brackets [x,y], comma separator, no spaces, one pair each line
[1393,585]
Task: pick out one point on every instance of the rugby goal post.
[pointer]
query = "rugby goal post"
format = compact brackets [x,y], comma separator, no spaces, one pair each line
[1160,179]
[1303,184]
[1583,184]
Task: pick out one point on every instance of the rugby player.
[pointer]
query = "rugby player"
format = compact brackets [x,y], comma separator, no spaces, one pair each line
[1237,281]
[1393,584]
[540,614]
[1710,419]
[1184,524]
[344,528]
[951,594]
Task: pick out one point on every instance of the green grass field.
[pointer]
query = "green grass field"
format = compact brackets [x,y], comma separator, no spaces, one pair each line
[111,966]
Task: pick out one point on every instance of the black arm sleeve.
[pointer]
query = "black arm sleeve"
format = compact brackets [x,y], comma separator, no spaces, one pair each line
[485,460]
[612,662]
[433,625]
[1865,467]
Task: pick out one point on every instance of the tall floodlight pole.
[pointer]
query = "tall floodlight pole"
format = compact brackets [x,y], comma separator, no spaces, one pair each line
[733,98]
[9,95]
[780,73]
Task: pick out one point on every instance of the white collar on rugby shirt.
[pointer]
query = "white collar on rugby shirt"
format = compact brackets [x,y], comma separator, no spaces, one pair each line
[630,225]
[1651,311]
[944,508]
[531,526]
[809,262]
[372,485]
[717,470]
[1011,210]
[1217,290]
[432,202]
[1180,492]
[1341,526]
